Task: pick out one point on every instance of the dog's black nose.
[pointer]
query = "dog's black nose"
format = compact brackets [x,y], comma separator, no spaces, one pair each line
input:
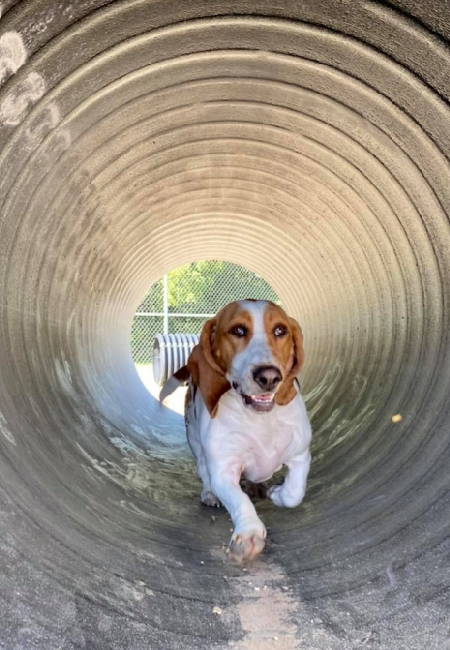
[268,377]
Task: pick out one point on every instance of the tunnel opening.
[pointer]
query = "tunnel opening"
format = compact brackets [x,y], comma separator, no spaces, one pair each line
[308,142]
[179,304]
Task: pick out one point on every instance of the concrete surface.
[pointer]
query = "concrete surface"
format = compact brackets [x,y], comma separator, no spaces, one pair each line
[309,140]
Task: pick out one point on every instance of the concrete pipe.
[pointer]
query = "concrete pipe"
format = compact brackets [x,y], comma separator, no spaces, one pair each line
[309,141]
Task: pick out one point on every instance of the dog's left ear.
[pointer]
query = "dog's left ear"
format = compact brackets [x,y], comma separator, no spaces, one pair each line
[207,375]
[287,391]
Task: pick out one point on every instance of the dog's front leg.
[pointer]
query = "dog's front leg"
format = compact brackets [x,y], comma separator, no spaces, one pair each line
[290,494]
[249,531]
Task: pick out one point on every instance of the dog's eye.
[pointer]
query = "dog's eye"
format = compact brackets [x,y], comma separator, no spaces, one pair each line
[279,330]
[239,330]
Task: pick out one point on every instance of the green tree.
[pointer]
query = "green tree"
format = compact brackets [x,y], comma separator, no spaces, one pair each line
[206,286]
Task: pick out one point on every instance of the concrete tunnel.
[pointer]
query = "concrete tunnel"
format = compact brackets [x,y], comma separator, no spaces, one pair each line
[309,141]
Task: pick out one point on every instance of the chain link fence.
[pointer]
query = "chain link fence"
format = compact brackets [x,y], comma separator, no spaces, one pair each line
[183,300]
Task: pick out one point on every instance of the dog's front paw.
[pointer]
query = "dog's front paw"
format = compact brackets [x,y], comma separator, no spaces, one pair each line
[247,545]
[210,499]
[283,498]
[275,494]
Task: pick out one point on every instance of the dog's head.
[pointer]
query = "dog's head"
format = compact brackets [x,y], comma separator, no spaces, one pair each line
[252,347]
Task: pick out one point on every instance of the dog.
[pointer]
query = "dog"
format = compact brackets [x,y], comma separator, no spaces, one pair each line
[245,415]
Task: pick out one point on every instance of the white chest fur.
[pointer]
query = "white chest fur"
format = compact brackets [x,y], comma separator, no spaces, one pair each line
[240,441]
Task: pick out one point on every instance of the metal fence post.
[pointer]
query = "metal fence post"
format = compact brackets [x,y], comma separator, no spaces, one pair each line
[166,303]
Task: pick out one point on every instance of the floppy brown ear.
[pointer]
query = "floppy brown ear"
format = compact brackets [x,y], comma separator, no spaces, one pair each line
[207,375]
[287,391]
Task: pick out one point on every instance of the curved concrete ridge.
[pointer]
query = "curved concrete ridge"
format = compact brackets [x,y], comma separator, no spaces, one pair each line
[308,141]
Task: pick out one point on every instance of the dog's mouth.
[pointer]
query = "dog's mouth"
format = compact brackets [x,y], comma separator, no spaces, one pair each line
[260,403]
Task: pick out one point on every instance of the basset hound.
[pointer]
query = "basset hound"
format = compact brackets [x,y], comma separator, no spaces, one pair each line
[244,413]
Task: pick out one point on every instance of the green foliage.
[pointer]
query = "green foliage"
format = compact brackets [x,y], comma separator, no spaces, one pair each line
[154,300]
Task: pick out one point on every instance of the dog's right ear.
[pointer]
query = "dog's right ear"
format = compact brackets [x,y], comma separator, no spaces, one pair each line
[207,375]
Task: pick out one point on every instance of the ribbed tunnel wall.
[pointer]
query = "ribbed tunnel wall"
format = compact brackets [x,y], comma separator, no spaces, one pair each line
[308,141]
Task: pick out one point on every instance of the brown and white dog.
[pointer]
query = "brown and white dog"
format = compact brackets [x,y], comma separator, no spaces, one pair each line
[245,414]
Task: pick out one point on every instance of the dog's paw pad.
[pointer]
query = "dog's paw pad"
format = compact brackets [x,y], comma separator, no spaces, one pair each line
[245,546]
[210,499]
